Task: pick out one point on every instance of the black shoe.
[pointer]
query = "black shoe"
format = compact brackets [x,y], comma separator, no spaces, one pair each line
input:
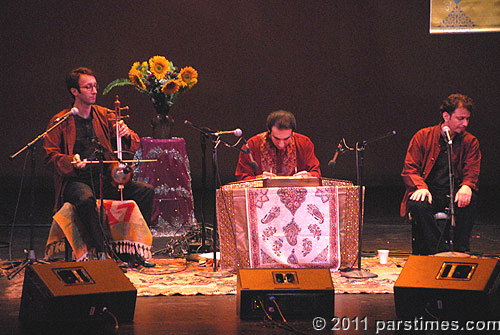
[137,260]
[148,264]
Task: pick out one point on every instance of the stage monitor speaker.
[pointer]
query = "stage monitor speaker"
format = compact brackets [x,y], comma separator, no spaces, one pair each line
[295,293]
[448,288]
[76,293]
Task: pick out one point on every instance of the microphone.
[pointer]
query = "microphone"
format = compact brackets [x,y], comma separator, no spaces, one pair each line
[237,132]
[72,111]
[446,132]
[332,163]
[253,163]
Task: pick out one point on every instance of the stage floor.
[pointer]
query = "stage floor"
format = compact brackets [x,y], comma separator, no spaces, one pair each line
[216,314]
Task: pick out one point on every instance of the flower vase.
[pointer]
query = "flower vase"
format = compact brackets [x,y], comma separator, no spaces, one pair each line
[162,126]
[162,123]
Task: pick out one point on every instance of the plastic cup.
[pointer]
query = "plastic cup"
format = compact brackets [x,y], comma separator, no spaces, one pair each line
[382,256]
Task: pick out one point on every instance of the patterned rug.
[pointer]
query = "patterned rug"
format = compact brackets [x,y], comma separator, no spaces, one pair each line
[179,277]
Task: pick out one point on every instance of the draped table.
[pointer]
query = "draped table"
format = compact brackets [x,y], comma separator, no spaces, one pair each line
[170,175]
[312,226]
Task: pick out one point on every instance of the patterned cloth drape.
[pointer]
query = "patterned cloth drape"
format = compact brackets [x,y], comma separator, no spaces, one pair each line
[129,231]
[293,227]
[173,205]
[234,226]
[464,16]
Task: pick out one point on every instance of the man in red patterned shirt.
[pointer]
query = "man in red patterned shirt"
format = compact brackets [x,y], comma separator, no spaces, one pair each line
[278,152]
[426,175]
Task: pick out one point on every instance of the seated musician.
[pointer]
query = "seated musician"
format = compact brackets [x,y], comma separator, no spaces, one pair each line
[69,148]
[278,152]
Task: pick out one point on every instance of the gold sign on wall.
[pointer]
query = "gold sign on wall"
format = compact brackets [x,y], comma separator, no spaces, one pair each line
[464,16]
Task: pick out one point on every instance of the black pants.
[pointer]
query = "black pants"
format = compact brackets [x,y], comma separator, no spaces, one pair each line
[429,236]
[82,196]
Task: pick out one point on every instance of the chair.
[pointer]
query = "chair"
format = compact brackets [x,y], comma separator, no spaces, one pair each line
[441,218]
[129,231]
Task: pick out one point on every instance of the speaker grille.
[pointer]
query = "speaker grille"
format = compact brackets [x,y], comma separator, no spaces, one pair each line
[448,288]
[76,292]
[295,293]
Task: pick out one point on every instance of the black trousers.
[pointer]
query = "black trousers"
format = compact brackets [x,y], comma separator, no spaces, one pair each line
[82,196]
[430,236]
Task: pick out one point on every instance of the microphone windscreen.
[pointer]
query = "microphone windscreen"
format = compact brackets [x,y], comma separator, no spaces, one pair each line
[238,132]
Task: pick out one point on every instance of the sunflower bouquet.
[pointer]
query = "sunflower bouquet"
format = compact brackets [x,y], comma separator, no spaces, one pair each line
[160,80]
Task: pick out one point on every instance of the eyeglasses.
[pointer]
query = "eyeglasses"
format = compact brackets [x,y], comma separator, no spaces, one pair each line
[90,87]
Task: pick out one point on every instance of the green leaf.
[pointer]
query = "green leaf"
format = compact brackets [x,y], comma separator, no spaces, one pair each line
[117,82]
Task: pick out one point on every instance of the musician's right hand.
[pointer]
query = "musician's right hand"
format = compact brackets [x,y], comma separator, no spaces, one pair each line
[267,174]
[302,174]
[421,195]
[78,163]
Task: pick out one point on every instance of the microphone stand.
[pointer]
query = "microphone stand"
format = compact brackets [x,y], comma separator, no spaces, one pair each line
[451,176]
[360,149]
[31,256]
[100,156]
[216,141]
[204,188]
[215,172]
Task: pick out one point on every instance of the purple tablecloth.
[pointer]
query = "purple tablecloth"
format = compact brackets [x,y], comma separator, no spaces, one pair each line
[173,213]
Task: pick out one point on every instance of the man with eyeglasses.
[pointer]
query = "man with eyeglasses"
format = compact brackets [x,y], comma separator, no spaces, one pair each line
[82,137]
[278,152]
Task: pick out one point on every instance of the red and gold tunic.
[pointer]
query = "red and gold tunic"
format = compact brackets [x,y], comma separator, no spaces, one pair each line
[297,156]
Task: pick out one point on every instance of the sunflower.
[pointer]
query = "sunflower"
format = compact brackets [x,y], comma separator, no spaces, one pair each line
[135,66]
[192,83]
[171,87]
[159,66]
[189,76]
[135,76]
[159,79]
[182,85]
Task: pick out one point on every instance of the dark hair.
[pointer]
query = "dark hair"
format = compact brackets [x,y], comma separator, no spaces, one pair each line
[455,101]
[281,119]
[72,79]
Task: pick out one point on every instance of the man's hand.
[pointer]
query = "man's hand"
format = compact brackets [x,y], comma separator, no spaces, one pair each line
[123,130]
[266,174]
[421,194]
[463,196]
[78,163]
[302,174]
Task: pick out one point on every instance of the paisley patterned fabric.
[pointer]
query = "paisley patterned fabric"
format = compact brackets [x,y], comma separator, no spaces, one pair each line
[293,227]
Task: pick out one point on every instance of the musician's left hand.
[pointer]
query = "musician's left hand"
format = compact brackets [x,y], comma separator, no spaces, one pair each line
[302,174]
[123,129]
[463,196]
